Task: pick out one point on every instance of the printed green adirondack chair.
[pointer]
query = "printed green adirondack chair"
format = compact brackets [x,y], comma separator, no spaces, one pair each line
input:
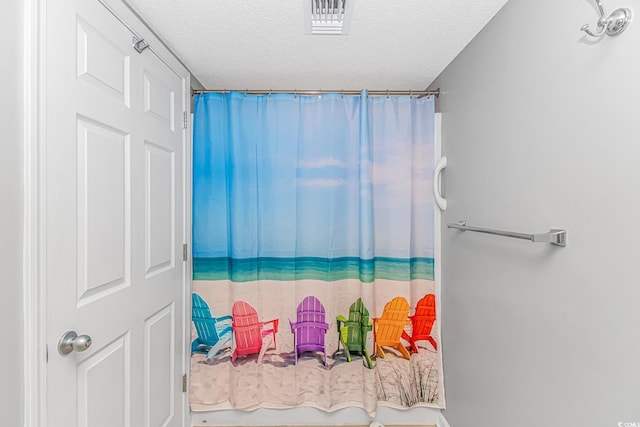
[352,333]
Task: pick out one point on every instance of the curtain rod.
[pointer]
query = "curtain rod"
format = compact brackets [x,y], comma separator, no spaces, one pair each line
[417,93]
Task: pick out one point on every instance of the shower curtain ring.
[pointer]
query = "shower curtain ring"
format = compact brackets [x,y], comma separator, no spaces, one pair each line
[269,93]
[387,93]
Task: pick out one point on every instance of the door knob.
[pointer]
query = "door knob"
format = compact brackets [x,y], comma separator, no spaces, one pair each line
[70,341]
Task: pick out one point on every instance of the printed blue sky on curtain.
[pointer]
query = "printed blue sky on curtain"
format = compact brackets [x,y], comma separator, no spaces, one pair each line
[312,177]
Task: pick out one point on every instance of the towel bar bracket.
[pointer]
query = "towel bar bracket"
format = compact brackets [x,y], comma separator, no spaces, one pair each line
[554,236]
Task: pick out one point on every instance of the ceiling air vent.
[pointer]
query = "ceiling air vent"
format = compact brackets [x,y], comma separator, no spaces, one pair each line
[327,16]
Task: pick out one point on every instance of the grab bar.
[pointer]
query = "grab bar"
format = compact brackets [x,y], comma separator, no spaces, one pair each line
[440,201]
[554,236]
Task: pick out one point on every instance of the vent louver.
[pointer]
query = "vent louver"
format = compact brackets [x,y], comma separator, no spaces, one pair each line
[327,16]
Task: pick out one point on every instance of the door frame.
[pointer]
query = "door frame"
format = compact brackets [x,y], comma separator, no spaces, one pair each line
[34,295]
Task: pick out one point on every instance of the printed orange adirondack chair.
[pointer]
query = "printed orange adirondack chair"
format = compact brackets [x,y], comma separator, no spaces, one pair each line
[388,329]
[249,334]
[422,322]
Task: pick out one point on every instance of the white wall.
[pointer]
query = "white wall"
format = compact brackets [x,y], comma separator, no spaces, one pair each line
[541,127]
[11,105]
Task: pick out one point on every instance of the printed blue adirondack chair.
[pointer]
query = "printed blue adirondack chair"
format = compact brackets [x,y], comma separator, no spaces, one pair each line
[213,332]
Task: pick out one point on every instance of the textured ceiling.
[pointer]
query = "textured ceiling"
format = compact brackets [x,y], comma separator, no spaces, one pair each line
[392,44]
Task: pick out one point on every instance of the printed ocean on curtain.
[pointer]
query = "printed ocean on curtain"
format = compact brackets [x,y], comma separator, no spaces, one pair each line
[313,246]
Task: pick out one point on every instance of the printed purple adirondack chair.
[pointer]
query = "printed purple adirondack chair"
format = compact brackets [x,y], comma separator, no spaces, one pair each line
[310,328]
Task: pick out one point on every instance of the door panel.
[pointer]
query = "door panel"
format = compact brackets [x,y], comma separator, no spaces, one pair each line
[114,224]
[160,209]
[160,375]
[159,100]
[101,62]
[103,211]
[97,383]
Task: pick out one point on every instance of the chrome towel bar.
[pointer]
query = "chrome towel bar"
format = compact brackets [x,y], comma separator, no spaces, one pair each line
[554,236]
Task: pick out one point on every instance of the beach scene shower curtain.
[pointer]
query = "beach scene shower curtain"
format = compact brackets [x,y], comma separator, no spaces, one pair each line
[314,253]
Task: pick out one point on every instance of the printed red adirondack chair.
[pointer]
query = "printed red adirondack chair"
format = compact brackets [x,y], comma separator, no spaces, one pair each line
[388,329]
[310,328]
[422,322]
[249,334]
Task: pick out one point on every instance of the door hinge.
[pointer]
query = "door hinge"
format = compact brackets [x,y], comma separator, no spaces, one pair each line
[184,123]
[185,254]
[184,383]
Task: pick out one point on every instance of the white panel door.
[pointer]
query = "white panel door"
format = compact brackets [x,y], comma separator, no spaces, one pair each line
[114,224]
